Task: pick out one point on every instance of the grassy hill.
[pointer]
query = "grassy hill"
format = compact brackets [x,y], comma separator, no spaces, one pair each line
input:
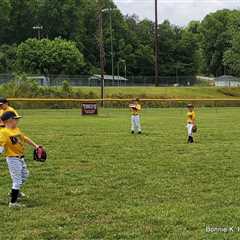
[162,92]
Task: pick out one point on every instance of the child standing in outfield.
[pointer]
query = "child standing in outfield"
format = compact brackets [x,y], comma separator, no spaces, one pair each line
[12,144]
[4,107]
[135,108]
[191,122]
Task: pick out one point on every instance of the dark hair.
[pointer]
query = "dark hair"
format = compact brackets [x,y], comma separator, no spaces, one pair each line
[3,100]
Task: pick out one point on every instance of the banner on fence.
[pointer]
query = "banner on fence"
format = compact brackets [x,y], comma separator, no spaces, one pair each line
[89,108]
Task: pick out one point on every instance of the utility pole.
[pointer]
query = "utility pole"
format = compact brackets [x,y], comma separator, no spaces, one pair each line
[156,45]
[112,54]
[101,48]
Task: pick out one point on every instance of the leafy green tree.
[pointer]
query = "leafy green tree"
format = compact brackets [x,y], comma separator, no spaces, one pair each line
[22,18]
[60,18]
[217,32]
[7,58]
[232,56]
[168,37]
[137,46]
[201,47]
[49,57]
[5,9]
[187,53]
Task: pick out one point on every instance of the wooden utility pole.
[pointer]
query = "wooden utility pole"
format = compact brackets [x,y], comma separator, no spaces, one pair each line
[101,48]
[156,45]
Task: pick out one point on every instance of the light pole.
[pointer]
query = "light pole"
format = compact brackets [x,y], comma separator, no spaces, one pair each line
[38,28]
[125,68]
[111,32]
[102,54]
[156,44]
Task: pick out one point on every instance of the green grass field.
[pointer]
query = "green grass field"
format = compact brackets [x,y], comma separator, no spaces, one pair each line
[100,182]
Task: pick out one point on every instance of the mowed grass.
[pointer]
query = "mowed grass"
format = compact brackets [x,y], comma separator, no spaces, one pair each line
[101,182]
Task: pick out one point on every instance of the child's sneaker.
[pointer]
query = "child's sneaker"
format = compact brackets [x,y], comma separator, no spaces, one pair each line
[132,132]
[16,205]
[21,195]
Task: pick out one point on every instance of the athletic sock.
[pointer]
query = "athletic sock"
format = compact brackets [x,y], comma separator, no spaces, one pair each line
[14,195]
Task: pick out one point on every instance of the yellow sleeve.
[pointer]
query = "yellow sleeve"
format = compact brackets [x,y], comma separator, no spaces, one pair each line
[138,107]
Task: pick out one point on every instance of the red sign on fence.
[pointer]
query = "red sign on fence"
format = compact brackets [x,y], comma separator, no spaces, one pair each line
[89,108]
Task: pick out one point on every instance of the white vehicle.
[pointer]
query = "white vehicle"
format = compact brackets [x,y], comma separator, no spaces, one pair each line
[41,80]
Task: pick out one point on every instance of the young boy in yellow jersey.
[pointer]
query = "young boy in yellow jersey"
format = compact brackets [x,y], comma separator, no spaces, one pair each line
[191,122]
[135,108]
[4,107]
[12,144]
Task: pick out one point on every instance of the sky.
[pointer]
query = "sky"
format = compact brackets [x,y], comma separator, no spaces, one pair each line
[179,12]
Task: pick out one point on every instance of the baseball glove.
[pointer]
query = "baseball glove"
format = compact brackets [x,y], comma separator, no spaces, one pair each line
[194,129]
[133,106]
[39,154]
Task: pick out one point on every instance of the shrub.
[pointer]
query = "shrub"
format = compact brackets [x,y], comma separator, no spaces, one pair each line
[21,86]
[66,89]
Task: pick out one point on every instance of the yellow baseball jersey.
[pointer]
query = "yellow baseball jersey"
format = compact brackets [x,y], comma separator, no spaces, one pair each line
[2,111]
[136,110]
[191,117]
[12,140]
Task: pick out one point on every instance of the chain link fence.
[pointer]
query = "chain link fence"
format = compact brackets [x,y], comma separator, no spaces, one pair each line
[93,81]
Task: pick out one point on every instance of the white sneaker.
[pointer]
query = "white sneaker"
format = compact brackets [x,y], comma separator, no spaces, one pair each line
[16,205]
[21,195]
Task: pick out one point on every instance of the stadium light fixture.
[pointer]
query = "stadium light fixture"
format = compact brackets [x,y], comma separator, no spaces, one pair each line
[39,28]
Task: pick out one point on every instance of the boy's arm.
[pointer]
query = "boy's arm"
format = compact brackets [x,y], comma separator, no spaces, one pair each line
[30,142]
[2,143]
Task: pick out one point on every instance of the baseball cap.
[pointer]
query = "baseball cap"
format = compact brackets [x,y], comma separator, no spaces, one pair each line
[3,100]
[9,115]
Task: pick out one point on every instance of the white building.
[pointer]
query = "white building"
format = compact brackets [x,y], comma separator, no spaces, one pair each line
[41,80]
[227,81]
[109,80]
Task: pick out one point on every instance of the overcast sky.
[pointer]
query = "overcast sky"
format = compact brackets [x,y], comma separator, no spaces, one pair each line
[179,12]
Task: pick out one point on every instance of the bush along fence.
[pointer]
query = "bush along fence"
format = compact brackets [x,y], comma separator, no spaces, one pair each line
[34,103]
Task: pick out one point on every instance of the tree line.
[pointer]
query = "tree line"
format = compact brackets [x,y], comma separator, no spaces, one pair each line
[68,43]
